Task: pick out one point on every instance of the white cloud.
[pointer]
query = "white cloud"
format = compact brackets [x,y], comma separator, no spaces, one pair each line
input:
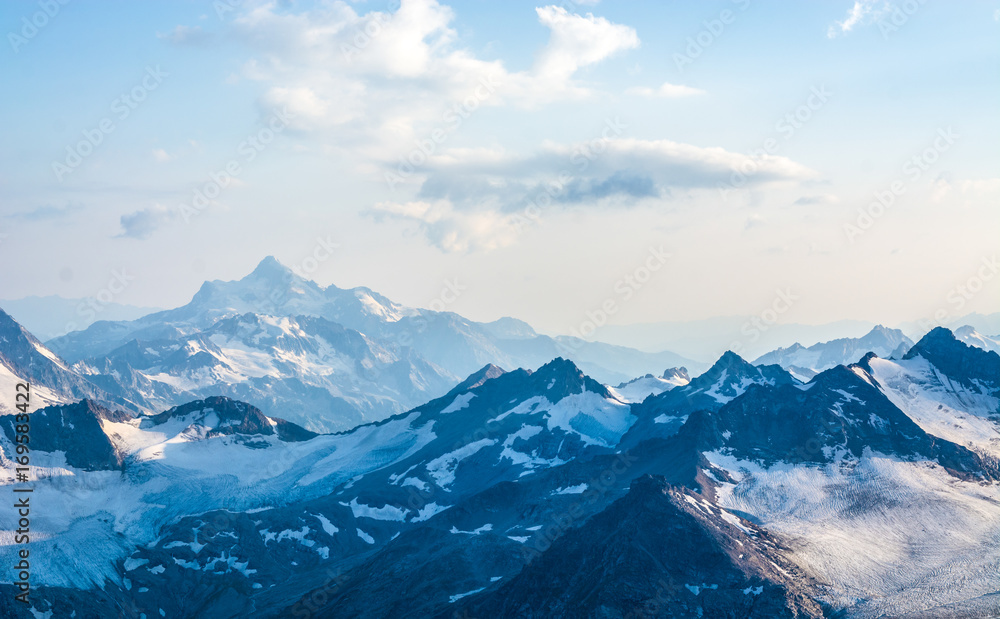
[453,230]
[375,83]
[142,223]
[479,199]
[817,200]
[161,155]
[577,41]
[186,35]
[665,91]
[863,12]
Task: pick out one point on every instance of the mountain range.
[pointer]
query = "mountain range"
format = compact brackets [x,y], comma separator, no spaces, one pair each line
[806,362]
[853,478]
[743,492]
[326,358]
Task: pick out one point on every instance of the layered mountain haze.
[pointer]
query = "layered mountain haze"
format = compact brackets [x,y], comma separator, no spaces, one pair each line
[970,336]
[326,358]
[52,316]
[638,389]
[742,491]
[325,309]
[24,358]
[806,362]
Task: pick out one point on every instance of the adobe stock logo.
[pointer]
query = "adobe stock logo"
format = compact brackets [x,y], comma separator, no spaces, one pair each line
[913,169]
[624,289]
[31,27]
[755,326]
[122,107]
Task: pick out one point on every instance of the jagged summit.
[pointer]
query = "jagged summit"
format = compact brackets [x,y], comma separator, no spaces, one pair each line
[958,360]
[680,373]
[731,373]
[565,377]
[729,359]
[222,416]
[487,372]
[806,362]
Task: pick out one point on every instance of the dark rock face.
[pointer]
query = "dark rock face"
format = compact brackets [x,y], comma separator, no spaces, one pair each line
[234,417]
[676,373]
[532,522]
[972,367]
[74,429]
[729,377]
[660,551]
[22,354]
[840,410]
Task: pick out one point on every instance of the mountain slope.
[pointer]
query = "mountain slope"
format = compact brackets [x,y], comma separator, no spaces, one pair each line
[658,551]
[807,362]
[24,358]
[638,389]
[313,371]
[445,339]
[972,337]
[870,491]
[728,378]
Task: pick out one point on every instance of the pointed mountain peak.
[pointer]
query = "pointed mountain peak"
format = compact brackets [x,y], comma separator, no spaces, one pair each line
[884,335]
[477,378]
[9,326]
[730,361]
[865,361]
[562,377]
[269,268]
[560,364]
[973,367]
[938,339]
[731,375]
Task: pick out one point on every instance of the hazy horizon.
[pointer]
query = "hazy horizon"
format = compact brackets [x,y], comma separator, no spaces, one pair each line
[675,172]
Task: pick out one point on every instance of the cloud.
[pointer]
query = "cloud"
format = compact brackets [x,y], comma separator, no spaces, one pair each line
[46,212]
[186,35]
[666,91]
[863,12]
[821,200]
[470,199]
[453,230]
[577,41]
[161,155]
[142,223]
[374,83]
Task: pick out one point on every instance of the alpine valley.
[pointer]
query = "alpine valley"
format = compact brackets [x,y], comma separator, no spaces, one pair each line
[279,449]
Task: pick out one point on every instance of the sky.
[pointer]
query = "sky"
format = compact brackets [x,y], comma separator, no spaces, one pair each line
[571,164]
